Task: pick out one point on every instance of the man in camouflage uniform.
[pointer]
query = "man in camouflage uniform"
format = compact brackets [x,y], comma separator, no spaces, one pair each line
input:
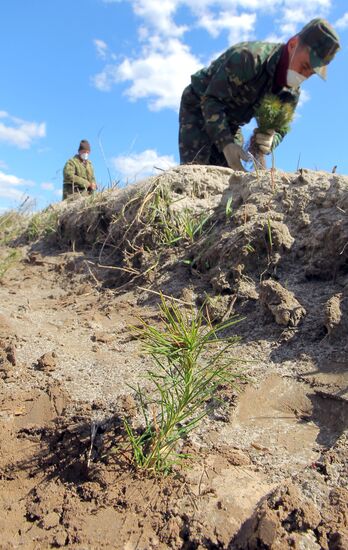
[223,97]
[78,172]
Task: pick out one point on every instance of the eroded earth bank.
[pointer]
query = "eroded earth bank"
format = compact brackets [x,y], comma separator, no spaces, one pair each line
[268,464]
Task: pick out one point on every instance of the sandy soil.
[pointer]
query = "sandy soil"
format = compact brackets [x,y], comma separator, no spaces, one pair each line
[269,466]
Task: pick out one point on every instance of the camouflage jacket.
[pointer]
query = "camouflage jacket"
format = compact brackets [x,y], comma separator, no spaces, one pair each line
[77,173]
[232,86]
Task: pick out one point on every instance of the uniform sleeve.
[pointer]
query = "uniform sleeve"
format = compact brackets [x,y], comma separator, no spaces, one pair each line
[71,177]
[236,70]
[92,176]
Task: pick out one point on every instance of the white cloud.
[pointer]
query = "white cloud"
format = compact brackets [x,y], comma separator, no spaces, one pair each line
[18,132]
[165,63]
[159,15]
[239,27]
[101,47]
[160,74]
[256,4]
[14,180]
[139,165]
[3,164]
[275,38]
[162,68]
[12,187]
[342,23]
[104,80]
[296,13]
[304,98]
[47,186]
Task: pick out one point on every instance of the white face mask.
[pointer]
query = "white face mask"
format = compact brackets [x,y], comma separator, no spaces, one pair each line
[84,156]
[293,78]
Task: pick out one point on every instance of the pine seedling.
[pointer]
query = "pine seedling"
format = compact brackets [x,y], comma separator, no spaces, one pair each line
[271,114]
[191,361]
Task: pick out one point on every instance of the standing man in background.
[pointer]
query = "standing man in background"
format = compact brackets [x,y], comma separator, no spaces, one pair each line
[223,97]
[78,172]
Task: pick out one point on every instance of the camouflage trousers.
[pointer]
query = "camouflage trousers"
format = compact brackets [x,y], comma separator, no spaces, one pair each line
[195,146]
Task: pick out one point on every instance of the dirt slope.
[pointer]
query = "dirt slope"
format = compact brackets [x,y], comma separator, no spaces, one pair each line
[269,466]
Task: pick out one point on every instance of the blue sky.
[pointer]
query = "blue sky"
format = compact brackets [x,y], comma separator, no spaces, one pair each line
[112,72]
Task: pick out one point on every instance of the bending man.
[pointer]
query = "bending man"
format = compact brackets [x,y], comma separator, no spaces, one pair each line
[223,97]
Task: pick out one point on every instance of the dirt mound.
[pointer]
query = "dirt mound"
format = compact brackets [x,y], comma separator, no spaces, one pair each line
[269,464]
[229,227]
[267,242]
[129,228]
[288,520]
[298,222]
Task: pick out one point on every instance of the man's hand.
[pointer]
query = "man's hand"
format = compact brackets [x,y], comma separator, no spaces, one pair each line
[92,187]
[264,141]
[234,154]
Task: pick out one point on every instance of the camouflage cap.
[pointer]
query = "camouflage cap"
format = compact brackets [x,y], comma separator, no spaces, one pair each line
[323,42]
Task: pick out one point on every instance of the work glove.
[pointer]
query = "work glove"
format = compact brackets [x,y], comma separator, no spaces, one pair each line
[233,155]
[264,141]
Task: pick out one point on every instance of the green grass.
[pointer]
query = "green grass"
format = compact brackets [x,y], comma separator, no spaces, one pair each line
[11,226]
[249,248]
[171,225]
[8,223]
[9,261]
[228,209]
[17,223]
[191,361]
[191,225]
[13,223]
[159,215]
[42,224]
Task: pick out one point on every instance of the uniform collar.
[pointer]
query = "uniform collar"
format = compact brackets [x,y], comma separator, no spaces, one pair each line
[282,68]
[277,66]
[274,58]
